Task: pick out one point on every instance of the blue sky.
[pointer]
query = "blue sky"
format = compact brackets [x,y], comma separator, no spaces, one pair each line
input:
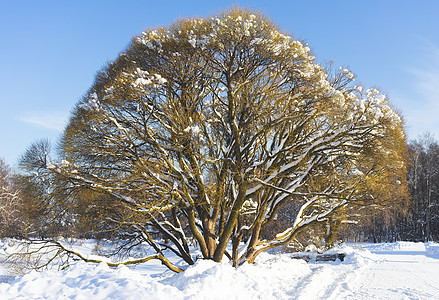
[51,50]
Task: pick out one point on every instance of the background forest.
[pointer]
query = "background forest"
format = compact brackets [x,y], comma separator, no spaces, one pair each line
[28,211]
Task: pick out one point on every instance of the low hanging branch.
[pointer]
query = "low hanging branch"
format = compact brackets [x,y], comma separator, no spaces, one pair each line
[64,253]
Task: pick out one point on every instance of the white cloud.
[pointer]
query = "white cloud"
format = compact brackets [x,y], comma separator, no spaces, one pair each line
[422,111]
[426,75]
[54,120]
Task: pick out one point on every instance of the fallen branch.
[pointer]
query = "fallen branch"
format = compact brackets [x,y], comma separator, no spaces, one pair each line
[318,257]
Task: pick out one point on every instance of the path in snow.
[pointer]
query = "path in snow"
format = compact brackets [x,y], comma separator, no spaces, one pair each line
[398,271]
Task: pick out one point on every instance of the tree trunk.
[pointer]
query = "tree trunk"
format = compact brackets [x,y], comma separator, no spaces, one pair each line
[230,224]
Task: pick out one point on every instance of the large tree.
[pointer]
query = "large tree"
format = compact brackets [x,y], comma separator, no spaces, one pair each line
[204,129]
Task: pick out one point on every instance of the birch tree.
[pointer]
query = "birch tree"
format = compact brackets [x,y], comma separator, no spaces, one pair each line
[202,130]
[10,202]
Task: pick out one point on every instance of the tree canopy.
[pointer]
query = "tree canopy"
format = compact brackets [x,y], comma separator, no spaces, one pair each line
[205,129]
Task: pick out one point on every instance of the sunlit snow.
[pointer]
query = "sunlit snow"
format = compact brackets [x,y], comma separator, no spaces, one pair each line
[401,270]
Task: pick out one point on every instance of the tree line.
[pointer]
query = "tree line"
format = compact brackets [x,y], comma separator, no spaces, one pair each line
[28,210]
[418,216]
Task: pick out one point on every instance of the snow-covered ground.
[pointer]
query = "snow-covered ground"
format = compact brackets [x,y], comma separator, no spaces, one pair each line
[399,270]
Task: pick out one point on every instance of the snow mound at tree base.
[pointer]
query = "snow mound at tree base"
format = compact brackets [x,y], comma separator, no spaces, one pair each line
[210,280]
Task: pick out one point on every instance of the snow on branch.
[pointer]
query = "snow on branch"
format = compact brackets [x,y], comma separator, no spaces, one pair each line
[63,252]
